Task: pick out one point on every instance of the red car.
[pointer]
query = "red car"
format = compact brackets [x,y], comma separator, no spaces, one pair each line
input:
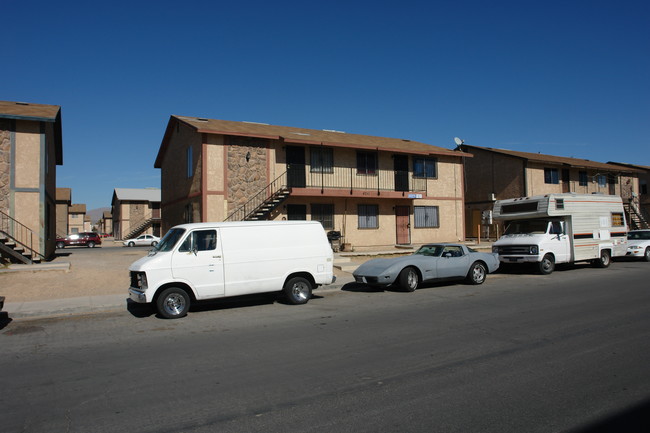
[86,239]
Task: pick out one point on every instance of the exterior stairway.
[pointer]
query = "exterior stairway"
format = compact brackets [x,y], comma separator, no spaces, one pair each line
[17,242]
[144,225]
[260,206]
[636,217]
[269,205]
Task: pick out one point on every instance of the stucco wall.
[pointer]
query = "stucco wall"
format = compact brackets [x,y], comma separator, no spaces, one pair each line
[5,164]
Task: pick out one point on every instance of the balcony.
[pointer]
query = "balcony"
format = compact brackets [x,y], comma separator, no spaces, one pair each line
[339,181]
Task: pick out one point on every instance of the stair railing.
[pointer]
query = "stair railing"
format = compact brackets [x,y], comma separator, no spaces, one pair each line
[19,233]
[255,202]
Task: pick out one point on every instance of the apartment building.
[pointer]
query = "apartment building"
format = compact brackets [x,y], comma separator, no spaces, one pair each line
[63,203]
[639,205]
[496,174]
[135,211]
[375,191]
[105,224]
[77,218]
[30,149]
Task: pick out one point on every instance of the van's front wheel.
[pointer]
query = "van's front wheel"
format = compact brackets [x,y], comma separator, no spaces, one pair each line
[298,290]
[173,303]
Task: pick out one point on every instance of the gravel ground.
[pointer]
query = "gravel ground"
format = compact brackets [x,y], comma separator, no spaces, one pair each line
[93,271]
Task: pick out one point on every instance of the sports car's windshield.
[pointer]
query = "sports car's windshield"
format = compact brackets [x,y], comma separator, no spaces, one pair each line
[430,250]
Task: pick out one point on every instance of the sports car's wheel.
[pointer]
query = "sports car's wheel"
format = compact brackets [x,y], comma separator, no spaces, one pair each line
[409,279]
[173,303]
[477,273]
[547,265]
[298,290]
[604,260]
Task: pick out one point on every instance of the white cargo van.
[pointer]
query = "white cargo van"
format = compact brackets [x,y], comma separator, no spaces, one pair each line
[561,228]
[212,260]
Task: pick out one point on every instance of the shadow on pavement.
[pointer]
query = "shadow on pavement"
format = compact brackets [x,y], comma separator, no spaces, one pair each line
[147,310]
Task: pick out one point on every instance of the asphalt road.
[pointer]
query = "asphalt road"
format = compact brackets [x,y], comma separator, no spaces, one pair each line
[521,353]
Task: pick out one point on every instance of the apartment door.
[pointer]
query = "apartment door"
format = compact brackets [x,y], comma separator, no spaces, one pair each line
[401,168]
[566,180]
[296,167]
[402,224]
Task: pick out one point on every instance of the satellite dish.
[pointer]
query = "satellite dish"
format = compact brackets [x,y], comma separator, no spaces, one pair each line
[458,141]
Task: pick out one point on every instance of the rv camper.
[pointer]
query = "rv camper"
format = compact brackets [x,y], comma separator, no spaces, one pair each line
[561,228]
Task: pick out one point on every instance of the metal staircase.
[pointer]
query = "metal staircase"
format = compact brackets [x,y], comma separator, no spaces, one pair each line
[260,206]
[17,242]
[637,218]
[141,227]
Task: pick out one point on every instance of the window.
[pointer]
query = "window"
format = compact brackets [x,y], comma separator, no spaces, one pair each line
[322,160]
[323,213]
[582,178]
[551,176]
[643,186]
[368,216]
[188,213]
[602,180]
[190,168]
[296,212]
[559,203]
[425,167]
[200,240]
[366,163]
[426,217]
[617,219]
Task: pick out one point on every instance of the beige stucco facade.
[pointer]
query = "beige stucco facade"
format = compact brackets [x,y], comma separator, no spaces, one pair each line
[496,174]
[135,212]
[30,149]
[227,170]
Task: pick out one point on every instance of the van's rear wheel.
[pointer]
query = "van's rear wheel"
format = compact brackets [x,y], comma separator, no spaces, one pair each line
[604,260]
[298,290]
[173,303]
[547,265]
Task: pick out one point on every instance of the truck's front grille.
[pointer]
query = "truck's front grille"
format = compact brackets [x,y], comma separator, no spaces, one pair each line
[515,249]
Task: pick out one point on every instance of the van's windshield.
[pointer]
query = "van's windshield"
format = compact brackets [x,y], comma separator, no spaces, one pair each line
[169,240]
[527,227]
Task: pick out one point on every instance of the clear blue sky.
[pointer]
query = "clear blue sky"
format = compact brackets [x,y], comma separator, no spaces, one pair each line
[569,78]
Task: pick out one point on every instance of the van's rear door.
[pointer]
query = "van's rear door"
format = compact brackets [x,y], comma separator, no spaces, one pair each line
[199,261]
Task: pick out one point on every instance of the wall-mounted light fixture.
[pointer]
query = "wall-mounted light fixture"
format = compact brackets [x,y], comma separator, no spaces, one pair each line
[248,156]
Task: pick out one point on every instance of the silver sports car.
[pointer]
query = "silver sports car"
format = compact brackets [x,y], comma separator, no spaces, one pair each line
[430,262]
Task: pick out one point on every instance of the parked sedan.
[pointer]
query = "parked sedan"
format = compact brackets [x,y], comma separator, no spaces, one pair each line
[85,239]
[430,262]
[142,240]
[638,244]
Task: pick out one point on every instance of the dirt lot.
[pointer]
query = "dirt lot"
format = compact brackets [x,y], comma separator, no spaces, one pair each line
[97,271]
[93,271]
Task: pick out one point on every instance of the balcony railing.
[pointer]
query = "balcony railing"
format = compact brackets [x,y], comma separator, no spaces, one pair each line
[353,179]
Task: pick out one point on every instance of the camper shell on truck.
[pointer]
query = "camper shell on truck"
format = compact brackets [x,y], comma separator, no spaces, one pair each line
[561,228]
[213,260]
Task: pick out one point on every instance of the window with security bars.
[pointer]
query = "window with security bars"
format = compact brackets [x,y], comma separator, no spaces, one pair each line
[425,167]
[551,175]
[324,213]
[426,217]
[322,160]
[617,219]
[368,216]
